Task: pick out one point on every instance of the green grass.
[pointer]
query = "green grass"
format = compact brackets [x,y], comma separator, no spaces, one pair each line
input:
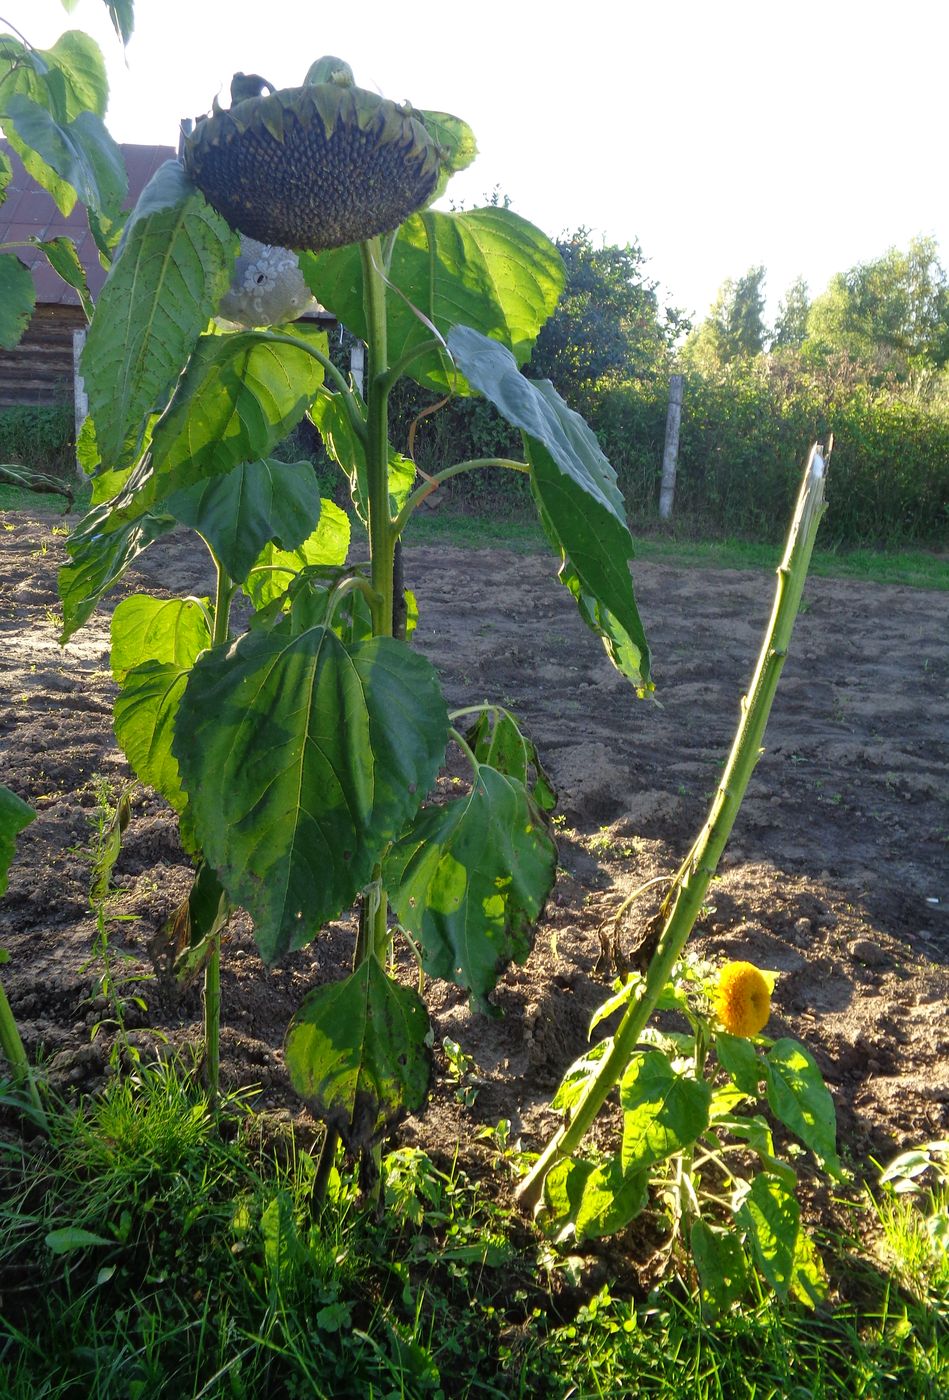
[915,568]
[205,1273]
[40,503]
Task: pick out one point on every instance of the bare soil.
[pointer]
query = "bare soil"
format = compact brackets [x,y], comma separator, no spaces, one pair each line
[836,876]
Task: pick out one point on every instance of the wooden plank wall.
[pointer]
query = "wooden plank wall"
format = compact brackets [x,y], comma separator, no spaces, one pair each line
[40,369]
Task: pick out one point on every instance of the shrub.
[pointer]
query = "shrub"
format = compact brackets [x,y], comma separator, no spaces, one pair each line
[40,437]
[744,427]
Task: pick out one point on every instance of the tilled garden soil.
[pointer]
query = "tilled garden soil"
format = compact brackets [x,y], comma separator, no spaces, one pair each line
[835,878]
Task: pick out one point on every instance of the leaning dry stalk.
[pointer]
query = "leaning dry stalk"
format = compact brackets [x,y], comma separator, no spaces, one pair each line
[687,892]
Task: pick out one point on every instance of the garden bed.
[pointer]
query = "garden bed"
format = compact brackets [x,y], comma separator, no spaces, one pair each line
[835,877]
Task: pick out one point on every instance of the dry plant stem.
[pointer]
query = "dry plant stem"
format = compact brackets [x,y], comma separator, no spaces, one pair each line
[12,1047]
[687,892]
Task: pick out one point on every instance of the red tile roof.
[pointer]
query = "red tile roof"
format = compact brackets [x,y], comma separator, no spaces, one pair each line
[29,212]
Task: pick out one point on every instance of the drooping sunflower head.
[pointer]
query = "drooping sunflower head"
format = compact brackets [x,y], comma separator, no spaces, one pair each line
[742,998]
[315,167]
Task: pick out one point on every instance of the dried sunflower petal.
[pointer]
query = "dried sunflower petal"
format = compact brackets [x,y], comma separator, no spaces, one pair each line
[313,167]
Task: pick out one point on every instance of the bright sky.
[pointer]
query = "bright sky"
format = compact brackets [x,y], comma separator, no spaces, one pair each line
[717,133]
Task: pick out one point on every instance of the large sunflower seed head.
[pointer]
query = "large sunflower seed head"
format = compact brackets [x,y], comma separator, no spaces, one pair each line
[314,167]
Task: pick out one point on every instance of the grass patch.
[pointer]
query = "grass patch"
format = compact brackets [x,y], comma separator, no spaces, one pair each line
[147,1252]
[42,503]
[915,568]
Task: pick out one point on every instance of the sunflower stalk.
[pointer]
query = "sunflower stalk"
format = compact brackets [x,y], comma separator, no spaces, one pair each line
[11,1046]
[686,894]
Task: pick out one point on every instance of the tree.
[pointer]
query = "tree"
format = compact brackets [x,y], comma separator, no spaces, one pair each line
[891,314]
[608,326]
[735,324]
[790,328]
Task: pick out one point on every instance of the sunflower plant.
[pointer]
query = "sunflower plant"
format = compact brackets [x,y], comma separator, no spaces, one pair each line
[698,1098]
[300,738]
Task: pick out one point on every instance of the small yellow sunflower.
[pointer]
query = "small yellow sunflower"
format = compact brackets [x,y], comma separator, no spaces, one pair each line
[743,998]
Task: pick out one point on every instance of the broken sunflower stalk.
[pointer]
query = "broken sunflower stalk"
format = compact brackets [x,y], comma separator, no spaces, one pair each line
[683,901]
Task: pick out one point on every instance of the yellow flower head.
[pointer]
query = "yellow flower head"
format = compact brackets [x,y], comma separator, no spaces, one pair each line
[743,998]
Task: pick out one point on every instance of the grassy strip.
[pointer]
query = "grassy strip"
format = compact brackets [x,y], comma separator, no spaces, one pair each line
[143,1253]
[19,498]
[915,568]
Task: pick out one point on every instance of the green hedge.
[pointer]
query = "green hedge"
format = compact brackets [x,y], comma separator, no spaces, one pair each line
[39,437]
[745,433]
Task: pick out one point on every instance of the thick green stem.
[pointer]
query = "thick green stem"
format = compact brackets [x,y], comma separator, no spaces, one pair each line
[381,534]
[223,594]
[13,1049]
[685,898]
[212,1022]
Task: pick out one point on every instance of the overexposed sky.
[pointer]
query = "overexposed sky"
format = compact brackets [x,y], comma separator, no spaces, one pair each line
[717,133]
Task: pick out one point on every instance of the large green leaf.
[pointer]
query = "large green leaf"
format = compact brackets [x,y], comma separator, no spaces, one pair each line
[144,718]
[17,300]
[15,814]
[155,643]
[458,144]
[663,1111]
[303,758]
[771,1215]
[274,568]
[122,15]
[798,1096]
[470,879]
[739,1058]
[594,1200]
[239,396]
[581,504]
[357,1054]
[69,158]
[172,268]
[61,83]
[99,558]
[347,451]
[173,631]
[255,502]
[76,75]
[721,1265]
[495,739]
[67,79]
[487,268]
[580,1076]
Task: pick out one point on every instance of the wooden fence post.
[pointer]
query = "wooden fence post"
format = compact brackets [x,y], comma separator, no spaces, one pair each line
[80,398]
[357,364]
[670,453]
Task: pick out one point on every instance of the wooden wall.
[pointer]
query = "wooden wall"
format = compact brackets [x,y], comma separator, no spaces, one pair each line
[40,369]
